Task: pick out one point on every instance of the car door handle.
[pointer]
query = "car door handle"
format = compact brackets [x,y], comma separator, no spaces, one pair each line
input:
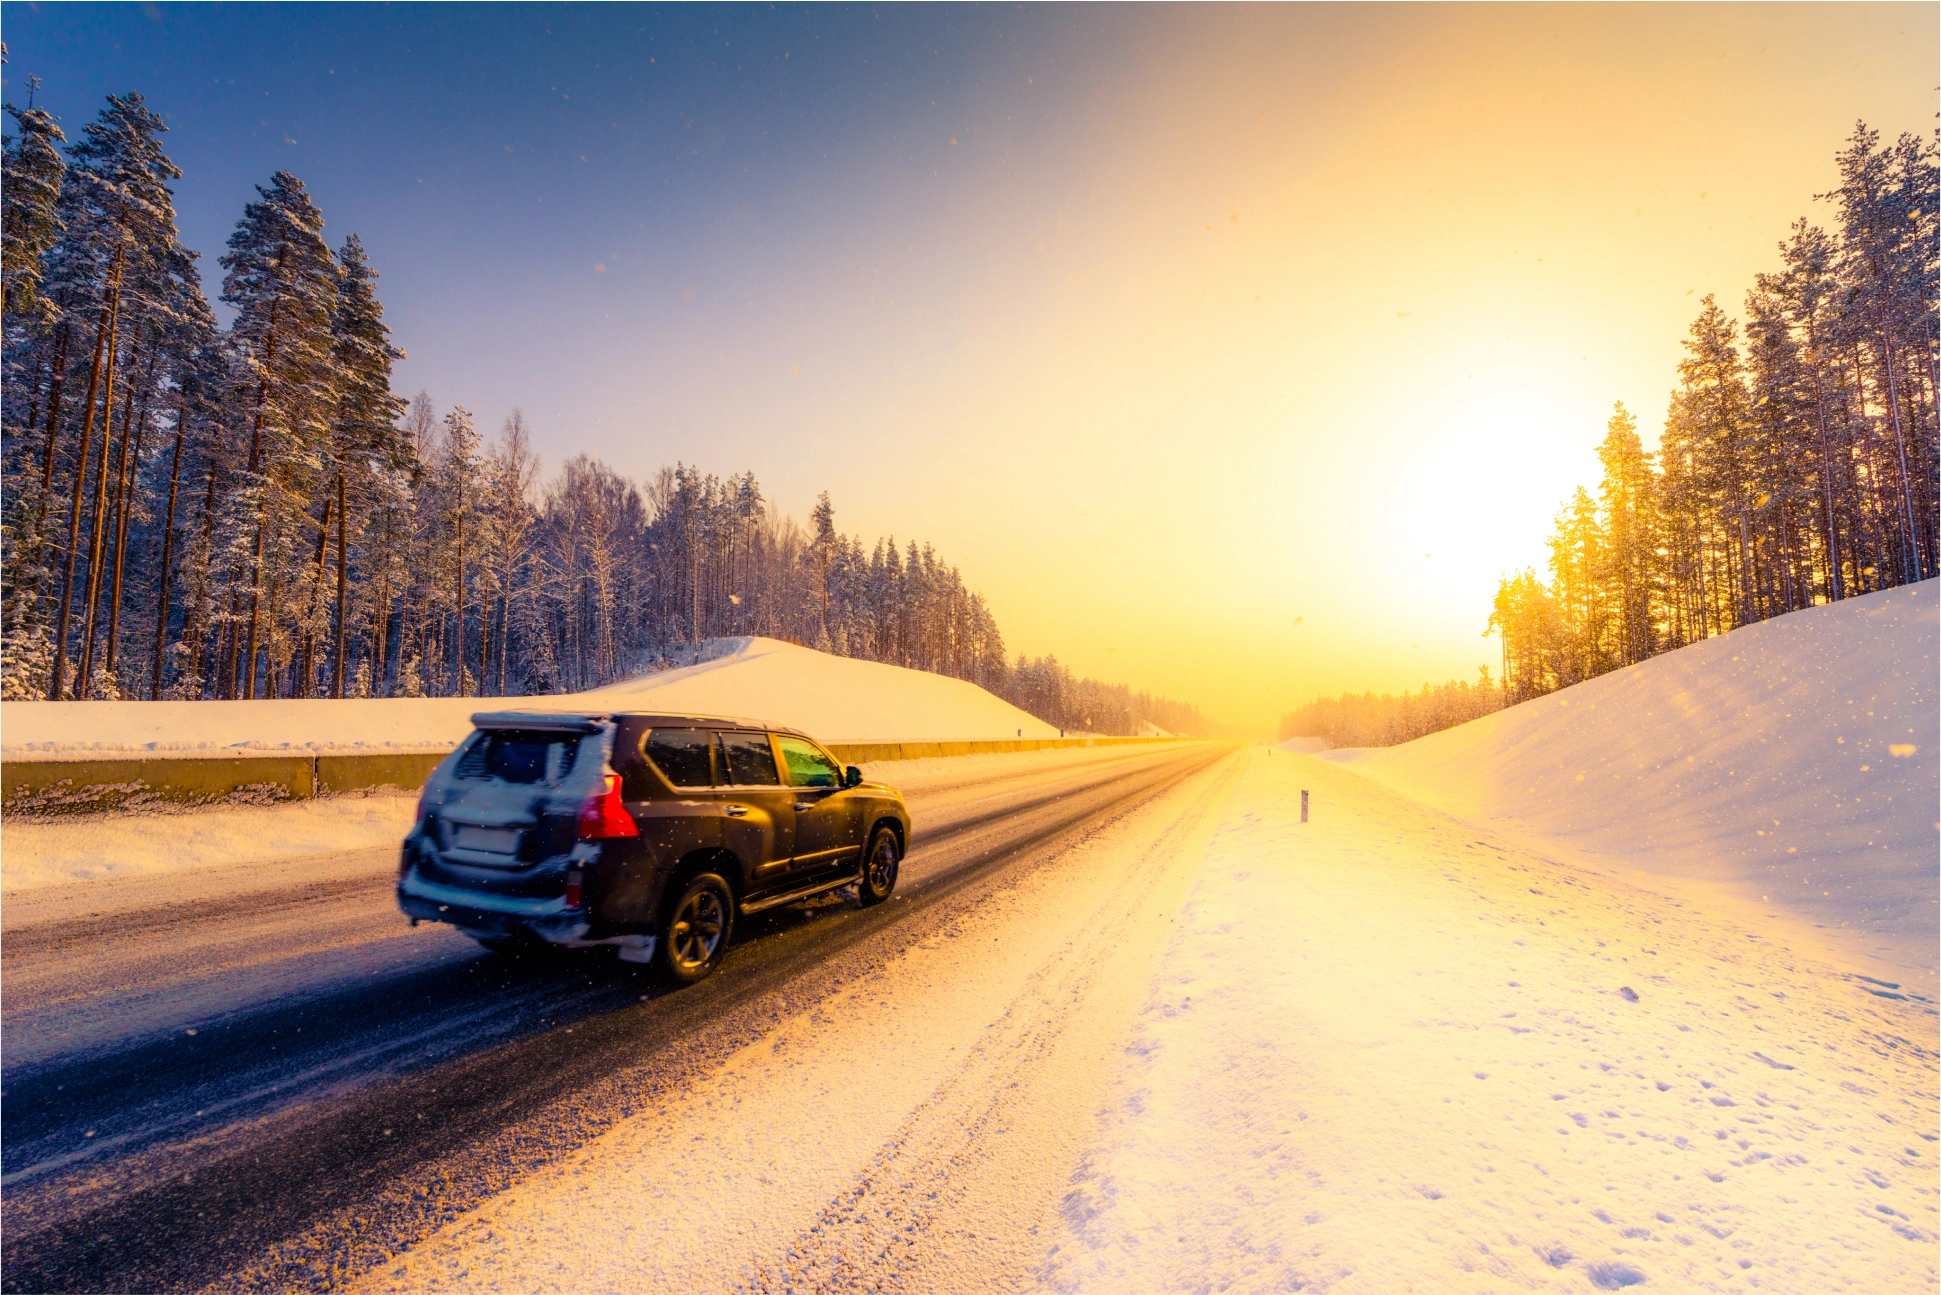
[803,805]
[737,811]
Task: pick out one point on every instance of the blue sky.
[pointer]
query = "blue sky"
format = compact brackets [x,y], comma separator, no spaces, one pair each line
[493,156]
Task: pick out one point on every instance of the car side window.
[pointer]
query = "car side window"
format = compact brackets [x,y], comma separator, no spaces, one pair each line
[682,754]
[808,767]
[749,760]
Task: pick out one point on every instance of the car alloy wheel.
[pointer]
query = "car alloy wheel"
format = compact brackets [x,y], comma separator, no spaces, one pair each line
[697,929]
[880,861]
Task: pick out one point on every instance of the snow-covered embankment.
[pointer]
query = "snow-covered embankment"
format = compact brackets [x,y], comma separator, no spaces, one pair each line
[838,699]
[1791,762]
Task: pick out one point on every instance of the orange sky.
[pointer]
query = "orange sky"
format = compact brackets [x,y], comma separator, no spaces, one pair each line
[1318,315]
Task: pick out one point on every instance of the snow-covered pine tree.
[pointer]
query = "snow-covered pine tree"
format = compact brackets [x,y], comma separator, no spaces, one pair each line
[374,458]
[119,223]
[513,474]
[31,169]
[282,283]
[1629,523]
[31,174]
[459,471]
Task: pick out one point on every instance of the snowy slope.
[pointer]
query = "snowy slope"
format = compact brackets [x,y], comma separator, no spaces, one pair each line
[1793,761]
[834,698]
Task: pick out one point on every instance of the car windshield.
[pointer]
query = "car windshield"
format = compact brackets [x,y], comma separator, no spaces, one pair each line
[808,767]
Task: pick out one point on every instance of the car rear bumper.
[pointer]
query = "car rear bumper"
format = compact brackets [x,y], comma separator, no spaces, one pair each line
[481,914]
[550,919]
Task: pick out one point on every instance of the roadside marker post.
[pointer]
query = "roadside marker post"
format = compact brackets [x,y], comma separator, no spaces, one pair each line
[1304,804]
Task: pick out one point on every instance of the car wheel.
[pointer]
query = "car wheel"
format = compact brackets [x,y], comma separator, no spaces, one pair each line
[695,929]
[880,859]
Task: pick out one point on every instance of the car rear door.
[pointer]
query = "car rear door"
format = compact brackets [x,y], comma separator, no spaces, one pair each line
[827,818]
[760,808]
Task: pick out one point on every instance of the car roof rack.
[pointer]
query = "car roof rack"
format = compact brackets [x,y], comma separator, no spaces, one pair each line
[594,721]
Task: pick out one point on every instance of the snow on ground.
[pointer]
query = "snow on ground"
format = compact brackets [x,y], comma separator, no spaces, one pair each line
[836,699]
[1385,1053]
[1793,761]
[1216,1050]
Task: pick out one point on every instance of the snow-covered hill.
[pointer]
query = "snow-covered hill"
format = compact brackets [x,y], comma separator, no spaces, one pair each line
[835,698]
[1793,761]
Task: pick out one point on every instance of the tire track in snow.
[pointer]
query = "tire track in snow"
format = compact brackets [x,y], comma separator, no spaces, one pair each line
[916,1219]
[734,1167]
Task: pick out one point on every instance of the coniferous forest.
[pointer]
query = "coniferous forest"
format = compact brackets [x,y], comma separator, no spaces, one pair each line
[251,512]
[1798,465]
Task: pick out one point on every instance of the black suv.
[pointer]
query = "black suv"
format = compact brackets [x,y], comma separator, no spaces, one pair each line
[646,832]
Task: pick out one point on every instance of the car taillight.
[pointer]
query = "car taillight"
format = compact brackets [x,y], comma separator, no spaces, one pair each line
[575,892]
[604,817]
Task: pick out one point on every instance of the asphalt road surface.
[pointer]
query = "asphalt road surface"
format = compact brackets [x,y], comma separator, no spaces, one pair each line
[276,1083]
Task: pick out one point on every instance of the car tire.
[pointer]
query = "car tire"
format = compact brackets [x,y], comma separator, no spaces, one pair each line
[695,928]
[878,875]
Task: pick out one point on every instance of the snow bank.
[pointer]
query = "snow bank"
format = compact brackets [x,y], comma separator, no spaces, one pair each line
[113,846]
[1382,1055]
[834,698]
[1793,761]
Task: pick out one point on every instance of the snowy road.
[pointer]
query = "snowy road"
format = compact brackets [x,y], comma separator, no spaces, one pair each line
[1133,1026]
[252,1067]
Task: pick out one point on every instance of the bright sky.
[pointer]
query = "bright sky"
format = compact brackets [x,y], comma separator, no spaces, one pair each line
[1231,352]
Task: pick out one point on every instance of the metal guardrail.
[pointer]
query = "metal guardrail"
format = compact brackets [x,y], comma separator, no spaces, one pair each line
[46,788]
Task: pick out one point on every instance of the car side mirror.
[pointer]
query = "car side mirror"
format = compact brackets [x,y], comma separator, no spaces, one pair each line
[852,777]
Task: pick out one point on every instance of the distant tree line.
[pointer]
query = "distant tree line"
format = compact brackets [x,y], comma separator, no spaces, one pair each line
[1798,463]
[197,512]
[1369,720]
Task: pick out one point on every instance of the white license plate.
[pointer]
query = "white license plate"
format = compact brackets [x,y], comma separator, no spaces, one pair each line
[490,840]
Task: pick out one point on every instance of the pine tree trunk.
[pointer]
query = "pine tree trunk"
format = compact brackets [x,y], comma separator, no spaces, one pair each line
[127,491]
[381,624]
[458,638]
[1900,448]
[337,656]
[505,628]
[103,327]
[168,552]
[248,664]
[307,687]
[98,534]
[103,338]
[485,637]
[263,499]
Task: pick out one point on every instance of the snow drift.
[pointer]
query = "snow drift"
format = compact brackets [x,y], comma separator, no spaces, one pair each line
[835,698]
[1793,761]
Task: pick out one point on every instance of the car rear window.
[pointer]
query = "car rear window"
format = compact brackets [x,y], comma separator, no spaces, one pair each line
[808,767]
[521,756]
[681,754]
[750,760]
